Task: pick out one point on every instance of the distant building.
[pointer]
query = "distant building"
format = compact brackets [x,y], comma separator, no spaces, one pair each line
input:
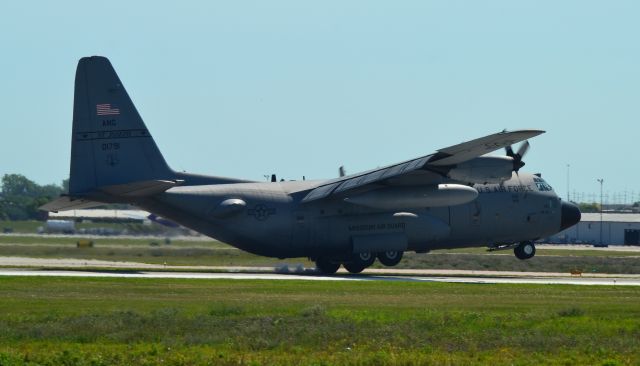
[617,229]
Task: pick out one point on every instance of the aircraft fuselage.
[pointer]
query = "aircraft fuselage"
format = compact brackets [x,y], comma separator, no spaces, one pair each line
[275,223]
[416,205]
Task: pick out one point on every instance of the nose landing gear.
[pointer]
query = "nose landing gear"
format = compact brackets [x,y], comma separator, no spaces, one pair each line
[525,250]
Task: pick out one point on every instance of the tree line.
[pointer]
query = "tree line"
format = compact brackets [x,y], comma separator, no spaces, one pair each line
[21,197]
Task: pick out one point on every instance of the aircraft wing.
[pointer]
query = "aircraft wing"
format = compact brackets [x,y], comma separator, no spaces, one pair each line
[448,156]
[457,154]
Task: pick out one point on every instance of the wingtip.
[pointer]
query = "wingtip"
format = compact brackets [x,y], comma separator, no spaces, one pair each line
[529,130]
[537,132]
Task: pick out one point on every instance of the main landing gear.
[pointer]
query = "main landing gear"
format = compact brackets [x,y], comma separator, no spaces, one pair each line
[525,250]
[390,259]
[358,262]
[326,266]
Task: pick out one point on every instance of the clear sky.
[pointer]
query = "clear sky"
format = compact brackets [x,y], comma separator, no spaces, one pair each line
[248,88]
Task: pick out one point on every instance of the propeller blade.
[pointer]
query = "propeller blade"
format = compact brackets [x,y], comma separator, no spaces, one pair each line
[517,157]
[522,151]
[509,151]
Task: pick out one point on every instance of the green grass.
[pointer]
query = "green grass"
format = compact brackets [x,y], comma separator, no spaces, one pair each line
[606,263]
[542,251]
[27,226]
[585,253]
[182,322]
[154,251]
[195,256]
[32,226]
[110,241]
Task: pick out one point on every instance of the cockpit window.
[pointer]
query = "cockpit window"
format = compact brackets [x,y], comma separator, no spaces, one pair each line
[541,184]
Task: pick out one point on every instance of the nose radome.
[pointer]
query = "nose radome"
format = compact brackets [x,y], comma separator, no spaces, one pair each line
[570,215]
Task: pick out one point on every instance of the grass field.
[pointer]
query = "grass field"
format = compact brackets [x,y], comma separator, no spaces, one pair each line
[131,228]
[74,321]
[147,250]
[196,252]
[25,227]
[606,262]
[31,226]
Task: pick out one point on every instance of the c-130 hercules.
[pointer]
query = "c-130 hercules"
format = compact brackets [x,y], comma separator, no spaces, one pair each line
[456,197]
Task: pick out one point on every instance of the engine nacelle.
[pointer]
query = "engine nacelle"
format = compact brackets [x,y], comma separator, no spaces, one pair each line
[483,169]
[415,196]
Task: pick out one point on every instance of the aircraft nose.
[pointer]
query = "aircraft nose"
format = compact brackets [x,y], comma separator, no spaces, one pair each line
[570,215]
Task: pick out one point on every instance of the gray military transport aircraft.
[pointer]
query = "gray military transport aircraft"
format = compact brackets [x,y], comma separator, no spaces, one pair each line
[455,197]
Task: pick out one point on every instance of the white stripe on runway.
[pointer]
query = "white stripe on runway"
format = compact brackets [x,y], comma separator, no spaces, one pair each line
[275,276]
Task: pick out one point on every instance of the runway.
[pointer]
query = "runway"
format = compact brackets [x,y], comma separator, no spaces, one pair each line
[50,267]
[602,281]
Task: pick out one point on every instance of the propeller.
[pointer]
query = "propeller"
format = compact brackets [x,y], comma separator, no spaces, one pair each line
[517,157]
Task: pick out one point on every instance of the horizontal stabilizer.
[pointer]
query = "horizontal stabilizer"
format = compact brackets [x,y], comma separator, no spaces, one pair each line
[134,189]
[141,189]
[64,203]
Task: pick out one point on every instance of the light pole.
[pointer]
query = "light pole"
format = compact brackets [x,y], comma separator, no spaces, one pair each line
[601,181]
[568,176]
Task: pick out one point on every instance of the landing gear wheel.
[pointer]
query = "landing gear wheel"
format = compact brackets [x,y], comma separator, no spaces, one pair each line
[359,262]
[391,258]
[353,267]
[325,266]
[525,250]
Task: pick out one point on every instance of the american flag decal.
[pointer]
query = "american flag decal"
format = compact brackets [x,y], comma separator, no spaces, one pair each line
[107,110]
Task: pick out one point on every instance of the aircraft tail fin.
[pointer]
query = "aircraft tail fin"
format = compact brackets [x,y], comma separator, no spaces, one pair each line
[110,144]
